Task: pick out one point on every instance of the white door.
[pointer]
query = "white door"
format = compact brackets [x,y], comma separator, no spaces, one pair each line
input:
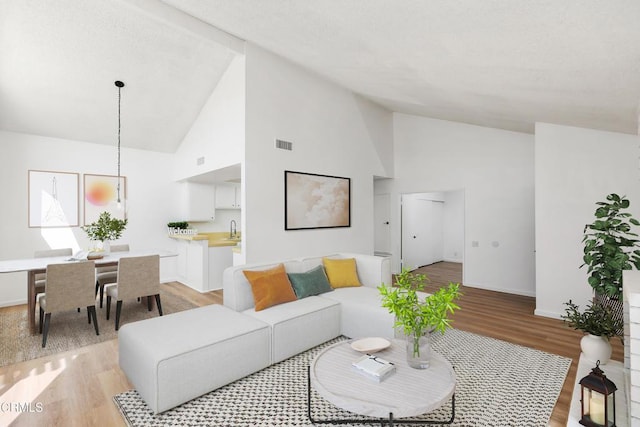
[435,232]
[382,227]
[422,231]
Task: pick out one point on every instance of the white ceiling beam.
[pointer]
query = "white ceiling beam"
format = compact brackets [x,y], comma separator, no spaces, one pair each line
[175,18]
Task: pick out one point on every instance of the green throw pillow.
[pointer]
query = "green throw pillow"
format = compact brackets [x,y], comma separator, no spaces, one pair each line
[313,282]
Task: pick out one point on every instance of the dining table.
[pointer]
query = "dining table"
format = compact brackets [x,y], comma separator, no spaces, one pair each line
[34,266]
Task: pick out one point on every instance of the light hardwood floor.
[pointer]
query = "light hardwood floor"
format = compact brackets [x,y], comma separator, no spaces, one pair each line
[510,318]
[75,388]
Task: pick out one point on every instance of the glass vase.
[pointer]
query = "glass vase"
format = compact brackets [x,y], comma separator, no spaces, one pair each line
[419,350]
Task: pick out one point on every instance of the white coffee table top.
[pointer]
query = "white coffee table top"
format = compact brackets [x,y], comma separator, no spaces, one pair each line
[406,393]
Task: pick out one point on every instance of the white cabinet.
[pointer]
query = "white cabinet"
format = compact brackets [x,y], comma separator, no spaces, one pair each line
[192,263]
[227,196]
[199,202]
[219,259]
[200,267]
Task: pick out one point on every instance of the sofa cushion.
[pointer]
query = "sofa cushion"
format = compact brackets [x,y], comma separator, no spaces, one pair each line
[312,282]
[342,273]
[270,287]
[299,325]
[173,358]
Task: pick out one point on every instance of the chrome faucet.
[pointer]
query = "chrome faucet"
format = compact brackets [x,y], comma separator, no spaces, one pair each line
[232,229]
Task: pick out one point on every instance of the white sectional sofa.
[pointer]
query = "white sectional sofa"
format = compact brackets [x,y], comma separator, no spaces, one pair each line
[175,358]
[300,325]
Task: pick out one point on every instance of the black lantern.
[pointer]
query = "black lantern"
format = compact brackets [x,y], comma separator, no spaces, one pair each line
[598,399]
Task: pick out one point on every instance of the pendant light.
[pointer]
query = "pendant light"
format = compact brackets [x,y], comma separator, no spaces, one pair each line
[119,85]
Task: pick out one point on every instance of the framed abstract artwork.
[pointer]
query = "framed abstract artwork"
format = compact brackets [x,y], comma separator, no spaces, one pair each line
[53,199]
[316,201]
[101,194]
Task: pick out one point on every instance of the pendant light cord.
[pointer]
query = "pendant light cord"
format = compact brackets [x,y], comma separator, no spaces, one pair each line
[119,84]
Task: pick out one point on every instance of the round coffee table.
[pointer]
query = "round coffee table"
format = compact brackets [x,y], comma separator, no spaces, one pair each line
[406,393]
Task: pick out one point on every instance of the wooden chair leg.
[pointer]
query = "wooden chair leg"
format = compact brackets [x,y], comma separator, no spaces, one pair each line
[47,318]
[149,303]
[41,315]
[118,310]
[158,304]
[108,306]
[78,309]
[88,317]
[92,309]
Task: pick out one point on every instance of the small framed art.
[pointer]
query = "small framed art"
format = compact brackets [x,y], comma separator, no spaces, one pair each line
[53,199]
[101,194]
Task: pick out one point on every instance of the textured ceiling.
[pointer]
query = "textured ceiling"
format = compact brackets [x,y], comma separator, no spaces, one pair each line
[497,63]
[59,60]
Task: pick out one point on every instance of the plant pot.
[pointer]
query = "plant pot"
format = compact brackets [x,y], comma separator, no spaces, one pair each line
[419,350]
[596,348]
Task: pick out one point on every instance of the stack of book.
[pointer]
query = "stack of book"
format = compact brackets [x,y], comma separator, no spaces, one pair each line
[374,367]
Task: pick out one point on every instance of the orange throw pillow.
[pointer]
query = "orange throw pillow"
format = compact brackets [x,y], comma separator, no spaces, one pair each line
[342,273]
[270,287]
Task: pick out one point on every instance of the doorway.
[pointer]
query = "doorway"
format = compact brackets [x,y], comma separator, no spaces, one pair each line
[382,221]
[431,228]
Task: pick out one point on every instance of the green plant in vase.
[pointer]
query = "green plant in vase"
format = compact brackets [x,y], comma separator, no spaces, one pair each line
[600,323]
[417,316]
[106,228]
[610,246]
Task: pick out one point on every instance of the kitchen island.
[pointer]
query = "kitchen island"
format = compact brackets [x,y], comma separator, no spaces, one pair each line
[203,257]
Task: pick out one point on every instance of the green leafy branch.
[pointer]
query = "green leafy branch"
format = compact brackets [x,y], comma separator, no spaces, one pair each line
[105,228]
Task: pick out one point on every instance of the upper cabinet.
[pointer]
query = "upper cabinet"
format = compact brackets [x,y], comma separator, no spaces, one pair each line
[227,196]
[199,202]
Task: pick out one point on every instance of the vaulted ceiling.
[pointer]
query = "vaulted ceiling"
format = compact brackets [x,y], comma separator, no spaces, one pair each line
[498,63]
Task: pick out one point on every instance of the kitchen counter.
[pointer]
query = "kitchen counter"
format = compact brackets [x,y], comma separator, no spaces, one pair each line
[202,258]
[215,239]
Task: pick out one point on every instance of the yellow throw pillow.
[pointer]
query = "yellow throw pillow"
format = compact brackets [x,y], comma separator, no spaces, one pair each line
[341,272]
[270,287]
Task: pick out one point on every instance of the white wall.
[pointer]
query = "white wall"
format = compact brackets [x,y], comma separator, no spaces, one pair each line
[218,132]
[574,169]
[495,169]
[453,226]
[150,199]
[333,132]
[221,222]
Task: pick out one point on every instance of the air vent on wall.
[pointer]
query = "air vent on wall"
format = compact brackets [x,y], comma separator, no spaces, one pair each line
[284,145]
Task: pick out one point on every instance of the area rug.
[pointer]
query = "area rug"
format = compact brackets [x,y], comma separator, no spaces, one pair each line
[70,330]
[499,384]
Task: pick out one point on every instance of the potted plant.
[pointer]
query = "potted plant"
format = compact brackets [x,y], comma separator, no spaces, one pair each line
[610,246]
[599,323]
[181,225]
[105,229]
[417,316]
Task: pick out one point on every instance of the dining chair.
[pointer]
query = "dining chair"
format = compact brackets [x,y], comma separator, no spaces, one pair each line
[41,278]
[137,277]
[68,286]
[106,275]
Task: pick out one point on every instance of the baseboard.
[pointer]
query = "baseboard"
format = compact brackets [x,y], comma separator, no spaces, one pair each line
[506,291]
[12,303]
[544,313]
[455,260]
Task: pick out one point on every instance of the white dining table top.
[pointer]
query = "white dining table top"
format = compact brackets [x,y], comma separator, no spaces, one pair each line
[26,264]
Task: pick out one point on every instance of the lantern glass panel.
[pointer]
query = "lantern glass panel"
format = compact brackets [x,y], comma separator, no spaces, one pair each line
[611,408]
[586,400]
[596,407]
